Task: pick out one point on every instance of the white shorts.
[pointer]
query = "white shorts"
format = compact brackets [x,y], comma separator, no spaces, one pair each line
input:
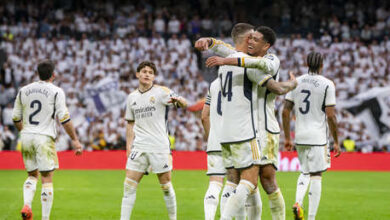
[269,145]
[141,161]
[313,159]
[39,152]
[241,155]
[215,165]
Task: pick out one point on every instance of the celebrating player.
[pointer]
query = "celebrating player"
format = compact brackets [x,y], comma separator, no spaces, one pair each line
[314,102]
[36,107]
[147,140]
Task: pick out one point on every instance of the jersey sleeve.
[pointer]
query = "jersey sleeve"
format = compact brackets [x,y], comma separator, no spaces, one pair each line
[330,95]
[289,96]
[61,111]
[17,112]
[129,115]
[221,48]
[269,63]
[167,94]
[257,76]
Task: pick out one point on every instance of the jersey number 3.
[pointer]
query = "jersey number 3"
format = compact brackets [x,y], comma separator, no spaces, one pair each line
[306,101]
[39,107]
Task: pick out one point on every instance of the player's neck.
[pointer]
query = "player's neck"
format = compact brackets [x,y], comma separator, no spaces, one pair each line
[144,87]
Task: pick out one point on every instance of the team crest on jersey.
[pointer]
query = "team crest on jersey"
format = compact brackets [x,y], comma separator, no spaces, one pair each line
[152,100]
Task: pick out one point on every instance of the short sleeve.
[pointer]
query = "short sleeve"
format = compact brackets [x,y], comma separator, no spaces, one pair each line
[129,115]
[221,48]
[257,76]
[289,96]
[330,95]
[61,111]
[17,111]
[167,94]
[269,63]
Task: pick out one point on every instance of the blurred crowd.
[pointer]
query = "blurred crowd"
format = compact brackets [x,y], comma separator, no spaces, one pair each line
[108,39]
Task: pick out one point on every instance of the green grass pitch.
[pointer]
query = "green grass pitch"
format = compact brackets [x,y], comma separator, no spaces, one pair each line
[98,194]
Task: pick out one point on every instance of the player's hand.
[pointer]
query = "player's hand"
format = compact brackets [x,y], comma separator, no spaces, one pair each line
[293,79]
[214,61]
[288,145]
[78,147]
[202,44]
[177,101]
[336,149]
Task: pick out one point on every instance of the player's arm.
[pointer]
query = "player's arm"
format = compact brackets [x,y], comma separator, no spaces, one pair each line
[129,136]
[217,46]
[281,88]
[206,117]
[288,106]
[330,111]
[178,101]
[17,112]
[63,115]
[262,63]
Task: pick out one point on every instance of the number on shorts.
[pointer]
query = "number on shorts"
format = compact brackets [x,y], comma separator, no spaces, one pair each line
[133,155]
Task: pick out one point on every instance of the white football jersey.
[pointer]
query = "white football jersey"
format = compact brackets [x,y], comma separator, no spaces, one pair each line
[38,104]
[239,101]
[149,111]
[214,101]
[313,93]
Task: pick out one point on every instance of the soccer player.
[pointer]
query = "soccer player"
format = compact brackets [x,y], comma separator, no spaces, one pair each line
[259,43]
[35,110]
[313,102]
[147,140]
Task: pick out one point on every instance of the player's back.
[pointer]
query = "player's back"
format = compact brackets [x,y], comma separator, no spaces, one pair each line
[239,103]
[313,93]
[214,100]
[39,106]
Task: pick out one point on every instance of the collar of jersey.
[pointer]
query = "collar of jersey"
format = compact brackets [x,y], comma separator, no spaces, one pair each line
[145,90]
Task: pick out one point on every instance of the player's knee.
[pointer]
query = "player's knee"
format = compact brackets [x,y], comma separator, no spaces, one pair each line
[130,187]
[167,188]
[316,174]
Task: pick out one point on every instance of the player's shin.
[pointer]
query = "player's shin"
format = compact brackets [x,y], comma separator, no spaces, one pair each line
[29,188]
[253,205]
[314,195]
[302,185]
[128,200]
[46,200]
[226,193]
[211,199]
[170,199]
[236,202]
[277,205]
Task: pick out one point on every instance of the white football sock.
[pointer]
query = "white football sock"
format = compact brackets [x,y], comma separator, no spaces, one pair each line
[314,196]
[29,188]
[211,199]
[302,185]
[170,199]
[236,203]
[46,200]
[277,206]
[226,193]
[253,205]
[128,200]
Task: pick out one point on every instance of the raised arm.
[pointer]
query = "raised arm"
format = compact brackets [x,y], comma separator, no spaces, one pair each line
[288,106]
[217,46]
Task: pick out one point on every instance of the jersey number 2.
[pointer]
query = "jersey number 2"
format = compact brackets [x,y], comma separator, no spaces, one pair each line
[39,107]
[306,101]
[229,84]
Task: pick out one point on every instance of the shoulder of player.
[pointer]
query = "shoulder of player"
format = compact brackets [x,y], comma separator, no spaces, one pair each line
[162,88]
[327,81]
[272,57]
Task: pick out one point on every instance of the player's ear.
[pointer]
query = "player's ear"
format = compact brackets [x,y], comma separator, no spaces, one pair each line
[137,75]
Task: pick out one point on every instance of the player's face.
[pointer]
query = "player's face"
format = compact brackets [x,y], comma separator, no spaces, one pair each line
[146,75]
[256,44]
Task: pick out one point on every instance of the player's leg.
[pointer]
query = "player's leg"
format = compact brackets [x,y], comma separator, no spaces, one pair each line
[232,180]
[244,155]
[303,181]
[161,164]
[253,206]
[270,186]
[136,166]
[47,193]
[302,186]
[216,171]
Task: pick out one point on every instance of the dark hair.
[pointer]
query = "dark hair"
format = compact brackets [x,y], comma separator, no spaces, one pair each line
[314,61]
[45,69]
[149,64]
[269,35]
[240,29]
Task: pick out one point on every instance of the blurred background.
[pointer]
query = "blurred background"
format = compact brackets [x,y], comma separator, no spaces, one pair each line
[97,47]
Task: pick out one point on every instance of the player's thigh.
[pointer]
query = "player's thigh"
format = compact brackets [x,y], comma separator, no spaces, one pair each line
[215,165]
[303,157]
[233,175]
[29,152]
[269,145]
[245,154]
[160,162]
[317,159]
[134,175]
[137,161]
[47,159]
